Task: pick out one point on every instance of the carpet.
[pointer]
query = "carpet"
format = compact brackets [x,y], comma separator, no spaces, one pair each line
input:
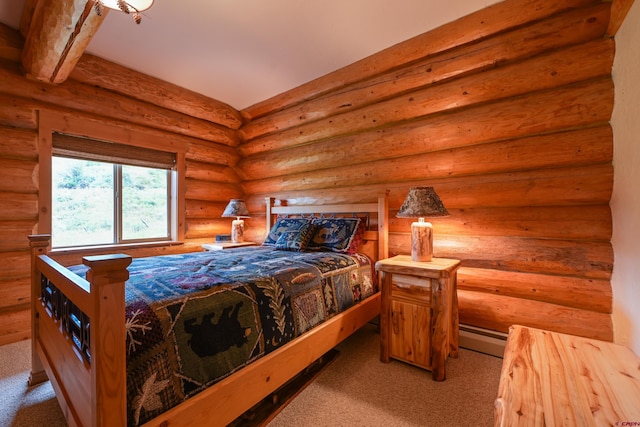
[354,390]
[262,413]
[24,406]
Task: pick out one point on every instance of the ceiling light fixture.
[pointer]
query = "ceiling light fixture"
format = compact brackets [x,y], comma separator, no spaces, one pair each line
[133,7]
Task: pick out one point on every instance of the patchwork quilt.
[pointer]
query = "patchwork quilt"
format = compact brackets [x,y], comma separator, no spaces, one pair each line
[193,319]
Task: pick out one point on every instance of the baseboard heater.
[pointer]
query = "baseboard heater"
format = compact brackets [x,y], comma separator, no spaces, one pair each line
[483,340]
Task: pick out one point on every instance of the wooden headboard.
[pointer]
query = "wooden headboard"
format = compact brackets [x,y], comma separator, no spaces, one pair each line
[375,238]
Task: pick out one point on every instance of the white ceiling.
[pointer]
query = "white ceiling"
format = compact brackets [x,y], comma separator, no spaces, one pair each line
[245,51]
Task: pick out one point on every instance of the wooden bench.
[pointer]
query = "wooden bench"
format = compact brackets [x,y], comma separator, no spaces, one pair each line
[553,379]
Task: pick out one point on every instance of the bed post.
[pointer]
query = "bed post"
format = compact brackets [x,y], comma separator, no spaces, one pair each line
[383,226]
[39,244]
[107,275]
[269,204]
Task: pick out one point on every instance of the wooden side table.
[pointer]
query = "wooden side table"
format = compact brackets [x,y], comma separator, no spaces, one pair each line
[549,378]
[218,246]
[419,313]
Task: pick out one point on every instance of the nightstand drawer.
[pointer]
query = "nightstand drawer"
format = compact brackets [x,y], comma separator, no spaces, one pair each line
[415,289]
[404,280]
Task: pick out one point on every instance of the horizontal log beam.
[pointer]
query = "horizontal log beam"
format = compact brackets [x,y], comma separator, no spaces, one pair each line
[15,234]
[14,293]
[585,294]
[582,259]
[592,222]
[547,112]
[388,171]
[18,112]
[15,325]
[583,186]
[19,175]
[579,186]
[197,228]
[18,206]
[213,192]
[88,99]
[567,29]
[96,71]
[194,148]
[201,209]
[16,264]
[550,71]
[498,312]
[18,143]
[475,26]
[211,172]
[209,152]
[584,147]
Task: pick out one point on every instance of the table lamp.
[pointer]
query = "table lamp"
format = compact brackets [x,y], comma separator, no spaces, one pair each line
[238,209]
[422,202]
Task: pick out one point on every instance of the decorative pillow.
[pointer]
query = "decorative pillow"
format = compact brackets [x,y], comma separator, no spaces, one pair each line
[358,237]
[333,234]
[296,240]
[282,225]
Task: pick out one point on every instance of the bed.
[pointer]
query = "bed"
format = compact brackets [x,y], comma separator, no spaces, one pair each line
[147,367]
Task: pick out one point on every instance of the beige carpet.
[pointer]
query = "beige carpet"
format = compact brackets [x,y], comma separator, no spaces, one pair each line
[355,390]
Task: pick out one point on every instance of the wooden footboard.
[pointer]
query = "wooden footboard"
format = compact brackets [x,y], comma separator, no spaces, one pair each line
[87,372]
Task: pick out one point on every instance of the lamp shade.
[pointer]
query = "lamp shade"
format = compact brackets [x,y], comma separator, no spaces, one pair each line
[236,208]
[422,202]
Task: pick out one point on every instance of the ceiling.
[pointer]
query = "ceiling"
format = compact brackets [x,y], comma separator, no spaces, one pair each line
[245,51]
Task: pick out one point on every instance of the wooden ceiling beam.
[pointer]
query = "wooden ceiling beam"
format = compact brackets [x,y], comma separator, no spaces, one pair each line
[619,10]
[56,34]
[27,14]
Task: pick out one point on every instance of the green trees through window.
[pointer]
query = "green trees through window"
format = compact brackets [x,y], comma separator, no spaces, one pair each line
[98,203]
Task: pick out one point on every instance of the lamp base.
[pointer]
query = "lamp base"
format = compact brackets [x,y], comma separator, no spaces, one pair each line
[237,231]
[421,241]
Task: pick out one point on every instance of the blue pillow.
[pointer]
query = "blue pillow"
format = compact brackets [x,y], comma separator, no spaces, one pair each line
[295,240]
[282,225]
[333,234]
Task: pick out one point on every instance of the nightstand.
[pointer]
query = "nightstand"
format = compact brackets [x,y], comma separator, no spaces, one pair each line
[218,246]
[419,313]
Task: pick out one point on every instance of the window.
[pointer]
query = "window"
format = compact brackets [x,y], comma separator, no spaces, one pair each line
[105,193]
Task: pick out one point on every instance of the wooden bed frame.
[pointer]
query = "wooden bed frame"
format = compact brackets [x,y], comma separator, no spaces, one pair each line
[94,394]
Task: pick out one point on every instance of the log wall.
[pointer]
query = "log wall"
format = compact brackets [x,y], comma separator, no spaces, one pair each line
[506,113]
[109,94]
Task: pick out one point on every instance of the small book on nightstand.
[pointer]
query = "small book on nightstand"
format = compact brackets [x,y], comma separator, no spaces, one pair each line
[218,246]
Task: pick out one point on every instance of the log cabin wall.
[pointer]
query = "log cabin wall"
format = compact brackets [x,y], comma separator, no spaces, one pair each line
[506,113]
[103,92]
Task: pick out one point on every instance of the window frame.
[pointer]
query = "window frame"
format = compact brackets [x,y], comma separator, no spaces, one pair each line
[118,199]
[75,125]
